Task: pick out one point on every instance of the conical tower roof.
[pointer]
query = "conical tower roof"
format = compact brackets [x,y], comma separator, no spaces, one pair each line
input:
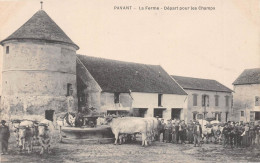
[41,27]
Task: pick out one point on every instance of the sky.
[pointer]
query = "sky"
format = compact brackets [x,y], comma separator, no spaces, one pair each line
[217,44]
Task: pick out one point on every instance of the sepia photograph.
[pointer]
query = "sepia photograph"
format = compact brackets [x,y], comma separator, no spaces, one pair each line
[130,81]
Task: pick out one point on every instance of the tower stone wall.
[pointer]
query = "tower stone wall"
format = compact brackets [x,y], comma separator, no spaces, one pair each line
[36,76]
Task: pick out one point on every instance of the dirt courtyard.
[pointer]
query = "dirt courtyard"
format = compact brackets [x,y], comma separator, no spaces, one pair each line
[157,152]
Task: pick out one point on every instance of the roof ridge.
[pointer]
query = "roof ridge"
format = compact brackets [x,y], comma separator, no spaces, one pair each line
[108,59]
[193,77]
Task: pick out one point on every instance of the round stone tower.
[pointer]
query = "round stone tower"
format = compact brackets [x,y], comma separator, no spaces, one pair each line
[39,69]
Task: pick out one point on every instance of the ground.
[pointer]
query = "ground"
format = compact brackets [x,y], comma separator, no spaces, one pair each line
[157,152]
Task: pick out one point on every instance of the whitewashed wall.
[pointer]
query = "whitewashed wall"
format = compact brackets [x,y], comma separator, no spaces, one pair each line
[169,101]
[244,100]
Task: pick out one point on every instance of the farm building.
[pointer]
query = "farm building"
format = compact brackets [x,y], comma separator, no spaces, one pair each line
[206,98]
[246,96]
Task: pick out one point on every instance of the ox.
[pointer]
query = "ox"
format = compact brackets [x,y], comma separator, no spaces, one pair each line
[16,124]
[26,134]
[152,128]
[128,125]
[46,130]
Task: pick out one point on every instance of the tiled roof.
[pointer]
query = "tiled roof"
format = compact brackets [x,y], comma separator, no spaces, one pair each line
[41,27]
[201,84]
[119,76]
[248,76]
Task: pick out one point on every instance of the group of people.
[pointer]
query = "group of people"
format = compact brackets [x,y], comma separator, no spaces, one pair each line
[180,132]
[230,134]
[237,134]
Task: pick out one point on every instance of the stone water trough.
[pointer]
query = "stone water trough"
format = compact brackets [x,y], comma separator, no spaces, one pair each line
[98,134]
[80,135]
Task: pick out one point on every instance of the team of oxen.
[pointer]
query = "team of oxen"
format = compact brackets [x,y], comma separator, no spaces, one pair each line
[30,133]
[34,133]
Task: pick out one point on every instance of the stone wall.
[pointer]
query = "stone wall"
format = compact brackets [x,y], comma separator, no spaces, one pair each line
[35,77]
[211,108]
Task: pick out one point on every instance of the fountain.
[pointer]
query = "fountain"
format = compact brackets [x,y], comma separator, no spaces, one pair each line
[87,130]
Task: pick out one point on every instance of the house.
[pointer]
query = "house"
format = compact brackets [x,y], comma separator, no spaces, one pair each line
[118,87]
[206,98]
[246,96]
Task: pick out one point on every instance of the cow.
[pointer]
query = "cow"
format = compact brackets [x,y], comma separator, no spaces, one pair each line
[128,125]
[15,125]
[152,128]
[46,130]
[26,134]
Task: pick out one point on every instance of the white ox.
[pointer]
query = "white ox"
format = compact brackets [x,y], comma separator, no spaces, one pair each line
[26,133]
[46,131]
[128,125]
[152,127]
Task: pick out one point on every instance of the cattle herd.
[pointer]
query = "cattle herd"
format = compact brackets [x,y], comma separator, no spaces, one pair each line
[30,133]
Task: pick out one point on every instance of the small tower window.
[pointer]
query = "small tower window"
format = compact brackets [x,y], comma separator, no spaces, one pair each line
[7,50]
[69,89]
[116,97]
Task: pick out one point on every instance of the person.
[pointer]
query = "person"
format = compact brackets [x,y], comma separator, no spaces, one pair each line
[257,131]
[168,131]
[4,137]
[252,134]
[197,133]
[162,130]
[189,132]
[174,132]
[232,133]
[236,135]
[177,133]
[245,139]
[182,132]
[225,133]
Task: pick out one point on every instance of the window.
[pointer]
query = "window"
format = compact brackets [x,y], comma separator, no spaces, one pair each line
[242,114]
[227,100]
[195,99]
[116,97]
[69,89]
[205,100]
[7,50]
[256,100]
[159,99]
[158,112]
[216,100]
[226,116]
[194,115]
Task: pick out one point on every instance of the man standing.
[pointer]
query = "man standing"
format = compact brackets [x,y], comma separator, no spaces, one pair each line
[162,130]
[197,132]
[4,137]
[257,131]
[225,133]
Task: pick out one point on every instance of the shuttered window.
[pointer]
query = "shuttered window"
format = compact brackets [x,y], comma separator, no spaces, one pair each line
[256,100]
[216,100]
[195,99]
[227,100]
[116,98]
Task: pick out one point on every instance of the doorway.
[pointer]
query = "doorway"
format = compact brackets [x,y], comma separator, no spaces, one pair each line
[176,113]
[139,112]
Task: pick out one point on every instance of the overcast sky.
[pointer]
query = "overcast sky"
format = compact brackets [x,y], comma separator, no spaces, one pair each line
[217,44]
